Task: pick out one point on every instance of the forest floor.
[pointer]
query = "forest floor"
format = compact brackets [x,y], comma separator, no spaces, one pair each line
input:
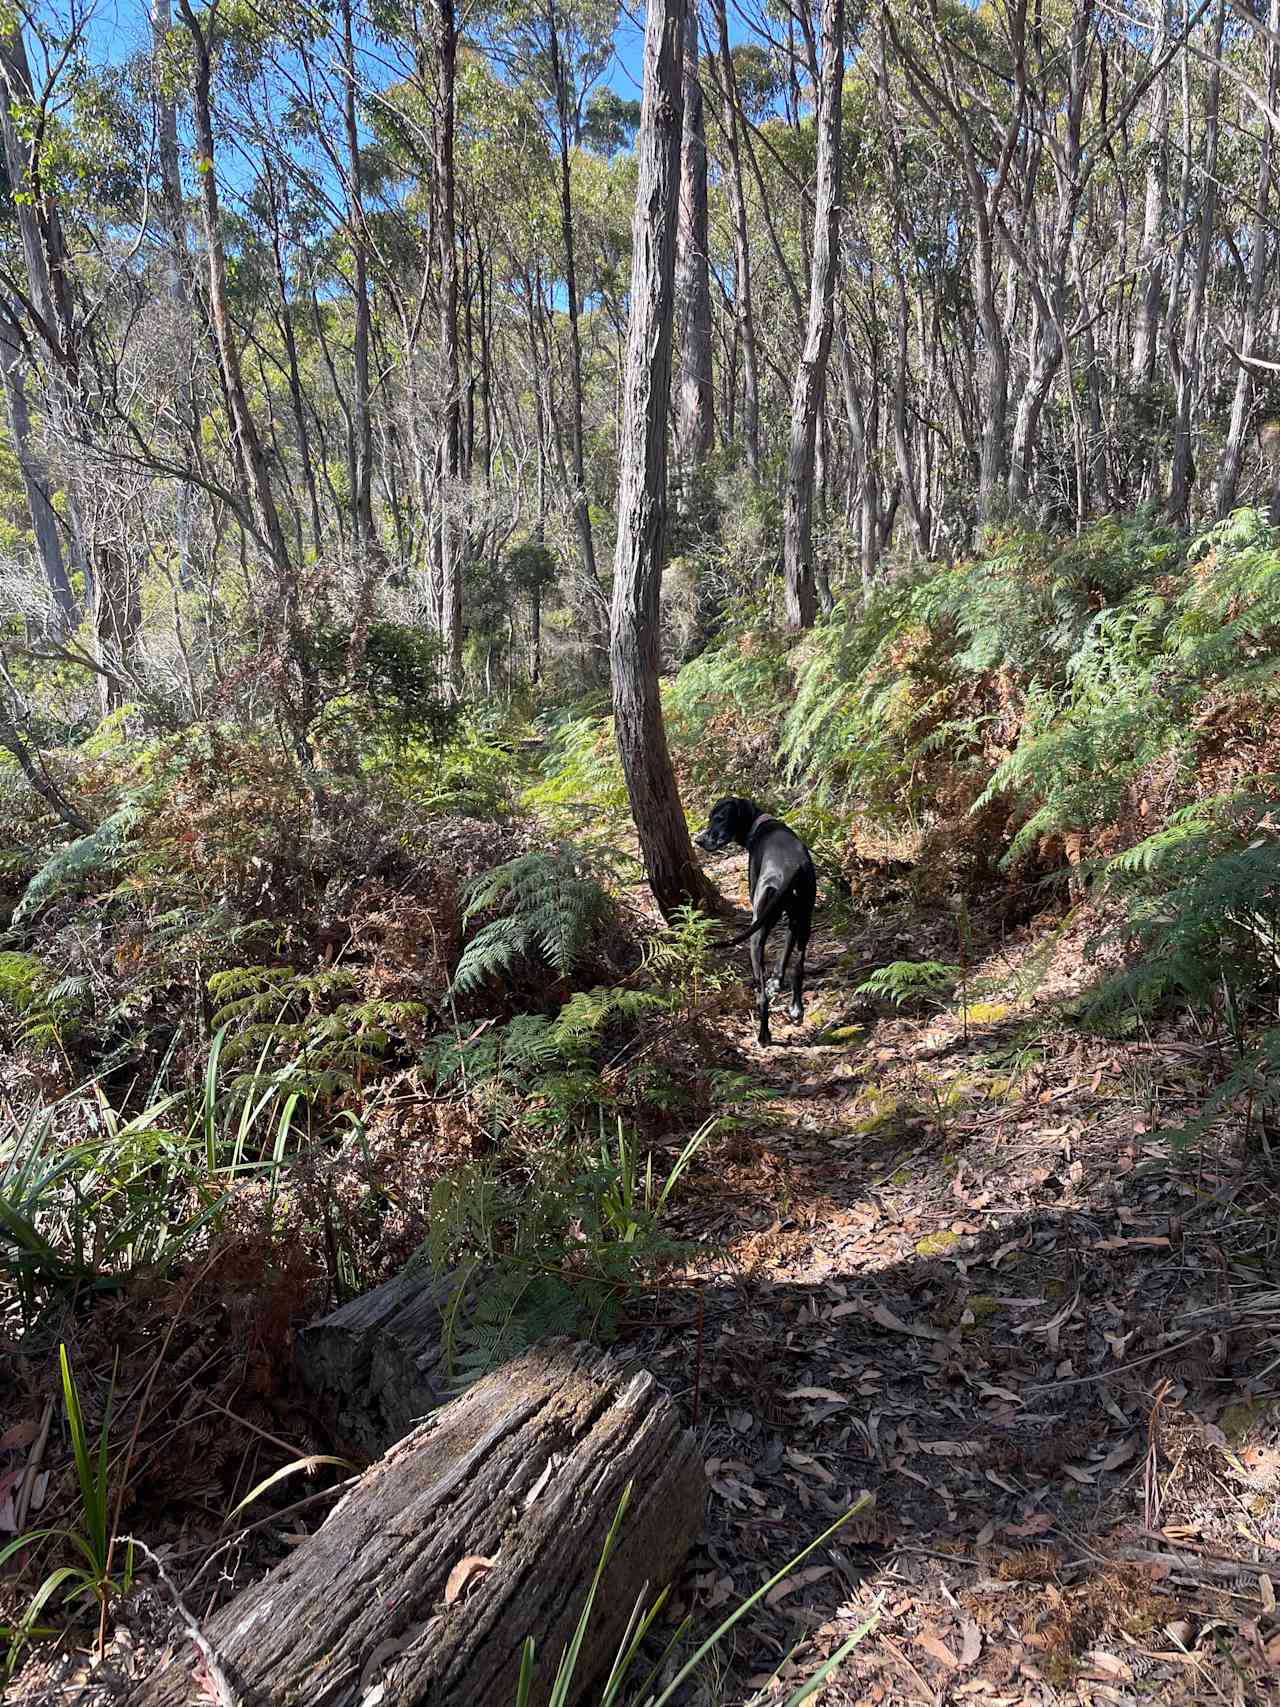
[956,1267]
[952,1262]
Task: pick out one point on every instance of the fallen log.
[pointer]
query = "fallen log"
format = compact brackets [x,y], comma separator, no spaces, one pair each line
[481,1527]
[378,1363]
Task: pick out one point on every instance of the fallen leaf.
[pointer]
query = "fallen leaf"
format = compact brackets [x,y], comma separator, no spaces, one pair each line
[947,1448]
[1100,1660]
[883,1317]
[466,1571]
[1036,1524]
[939,1649]
[972,1643]
[21,1434]
[1266,1588]
[799,1579]
[817,1393]
[1120,1454]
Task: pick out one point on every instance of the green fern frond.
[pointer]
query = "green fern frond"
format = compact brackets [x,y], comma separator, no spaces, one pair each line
[85,858]
[903,981]
[551,901]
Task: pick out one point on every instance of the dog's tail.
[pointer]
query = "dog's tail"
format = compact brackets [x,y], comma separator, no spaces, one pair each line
[764,921]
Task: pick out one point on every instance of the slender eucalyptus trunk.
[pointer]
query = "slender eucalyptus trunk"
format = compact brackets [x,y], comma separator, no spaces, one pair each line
[1186,349]
[1155,212]
[448,531]
[741,247]
[251,464]
[35,475]
[293,368]
[71,410]
[672,867]
[810,380]
[366,541]
[581,505]
[1259,239]
[179,275]
[695,398]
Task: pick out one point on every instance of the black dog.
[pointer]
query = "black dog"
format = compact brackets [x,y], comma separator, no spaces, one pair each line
[780,879]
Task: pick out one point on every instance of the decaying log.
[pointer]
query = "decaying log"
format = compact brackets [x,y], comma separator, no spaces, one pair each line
[523,1472]
[378,1363]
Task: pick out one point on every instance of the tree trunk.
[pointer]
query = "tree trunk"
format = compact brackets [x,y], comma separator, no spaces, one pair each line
[449,450]
[1185,348]
[246,445]
[1150,300]
[695,398]
[741,248]
[581,506]
[292,367]
[1259,238]
[673,870]
[361,415]
[35,475]
[521,1478]
[179,286]
[380,1362]
[810,380]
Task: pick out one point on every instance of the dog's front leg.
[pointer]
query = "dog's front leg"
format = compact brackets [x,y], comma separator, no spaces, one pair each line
[761,989]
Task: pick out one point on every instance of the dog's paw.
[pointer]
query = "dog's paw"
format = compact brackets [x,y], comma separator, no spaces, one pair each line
[795,1015]
[773,987]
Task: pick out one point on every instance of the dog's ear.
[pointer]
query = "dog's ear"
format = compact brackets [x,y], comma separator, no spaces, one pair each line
[745,813]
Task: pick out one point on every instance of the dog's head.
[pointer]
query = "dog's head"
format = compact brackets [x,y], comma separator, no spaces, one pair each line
[730,821]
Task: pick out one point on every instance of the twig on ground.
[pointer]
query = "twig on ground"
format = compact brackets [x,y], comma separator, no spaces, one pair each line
[226,1695]
[1117,1369]
[896,1651]
[1150,1472]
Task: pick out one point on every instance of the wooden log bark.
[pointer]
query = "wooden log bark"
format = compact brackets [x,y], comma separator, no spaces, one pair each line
[378,1364]
[525,1470]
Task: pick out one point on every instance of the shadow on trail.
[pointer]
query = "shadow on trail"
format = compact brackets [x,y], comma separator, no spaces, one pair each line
[996,1398]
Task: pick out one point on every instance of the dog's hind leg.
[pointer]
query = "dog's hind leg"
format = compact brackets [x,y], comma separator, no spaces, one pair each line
[761,989]
[779,979]
[800,936]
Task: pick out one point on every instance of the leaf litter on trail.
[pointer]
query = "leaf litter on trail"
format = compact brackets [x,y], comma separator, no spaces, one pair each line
[988,1378]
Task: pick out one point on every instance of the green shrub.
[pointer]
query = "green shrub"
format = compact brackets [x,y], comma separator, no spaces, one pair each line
[393,689]
[554,1249]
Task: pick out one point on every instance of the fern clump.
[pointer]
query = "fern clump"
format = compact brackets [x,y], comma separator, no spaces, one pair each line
[686,960]
[581,782]
[81,861]
[315,1030]
[550,903]
[37,1007]
[1202,909]
[904,982]
[539,1071]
